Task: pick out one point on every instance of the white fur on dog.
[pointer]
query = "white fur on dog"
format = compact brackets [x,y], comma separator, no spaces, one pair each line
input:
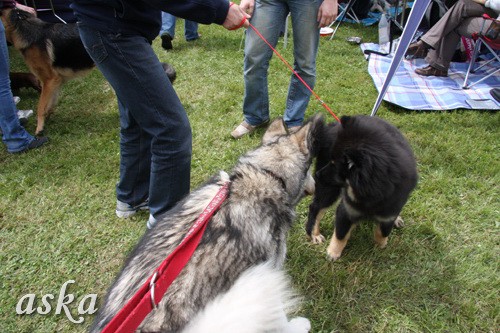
[257,302]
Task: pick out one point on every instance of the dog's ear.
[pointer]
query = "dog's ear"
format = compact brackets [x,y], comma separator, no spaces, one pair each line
[346,121]
[303,138]
[276,129]
[19,14]
[323,135]
[317,133]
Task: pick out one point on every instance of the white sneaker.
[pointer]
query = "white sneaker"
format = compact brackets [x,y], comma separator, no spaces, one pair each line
[124,210]
[245,128]
[24,114]
[151,222]
[17,99]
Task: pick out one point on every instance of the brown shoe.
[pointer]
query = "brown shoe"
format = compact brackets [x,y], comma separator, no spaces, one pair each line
[430,71]
[417,50]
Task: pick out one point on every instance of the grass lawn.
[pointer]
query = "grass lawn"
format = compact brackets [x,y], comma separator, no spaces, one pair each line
[438,274]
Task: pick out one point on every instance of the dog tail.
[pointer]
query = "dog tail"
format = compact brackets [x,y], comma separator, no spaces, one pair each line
[257,302]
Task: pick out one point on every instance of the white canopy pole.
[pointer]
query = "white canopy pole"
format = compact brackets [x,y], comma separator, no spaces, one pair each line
[416,14]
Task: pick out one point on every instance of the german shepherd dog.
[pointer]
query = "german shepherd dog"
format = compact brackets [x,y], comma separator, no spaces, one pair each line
[53,52]
[234,281]
[369,164]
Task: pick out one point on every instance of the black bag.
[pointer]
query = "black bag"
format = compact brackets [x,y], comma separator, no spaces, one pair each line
[361,8]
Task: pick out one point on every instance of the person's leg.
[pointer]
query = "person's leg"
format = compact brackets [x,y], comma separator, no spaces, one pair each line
[191,30]
[441,57]
[135,162]
[304,15]
[167,24]
[15,137]
[152,118]
[167,31]
[268,18]
[444,36]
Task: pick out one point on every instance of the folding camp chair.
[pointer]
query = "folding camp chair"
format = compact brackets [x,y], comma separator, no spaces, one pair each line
[345,11]
[492,45]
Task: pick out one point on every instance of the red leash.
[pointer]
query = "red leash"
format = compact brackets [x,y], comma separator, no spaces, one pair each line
[295,72]
[152,291]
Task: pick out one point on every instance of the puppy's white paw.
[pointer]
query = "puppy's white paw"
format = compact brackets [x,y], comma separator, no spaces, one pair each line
[317,239]
[299,325]
[334,250]
[333,255]
[399,223]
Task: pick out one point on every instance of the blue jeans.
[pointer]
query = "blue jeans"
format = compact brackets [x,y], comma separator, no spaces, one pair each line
[14,135]
[268,18]
[168,26]
[155,135]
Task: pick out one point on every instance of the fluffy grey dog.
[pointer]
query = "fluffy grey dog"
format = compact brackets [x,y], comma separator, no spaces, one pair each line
[234,281]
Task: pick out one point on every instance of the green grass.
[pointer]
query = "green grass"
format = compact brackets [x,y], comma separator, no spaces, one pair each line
[438,274]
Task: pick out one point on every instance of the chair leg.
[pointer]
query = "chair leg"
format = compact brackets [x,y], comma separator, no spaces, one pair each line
[486,63]
[344,11]
[480,42]
[482,79]
[471,64]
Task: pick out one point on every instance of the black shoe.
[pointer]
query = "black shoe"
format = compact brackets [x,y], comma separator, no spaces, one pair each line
[23,121]
[495,92]
[166,42]
[36,143]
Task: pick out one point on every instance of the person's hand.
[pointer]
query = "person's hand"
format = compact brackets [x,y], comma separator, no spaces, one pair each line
[30,10]
[247,6]
[236,18]
[327,12]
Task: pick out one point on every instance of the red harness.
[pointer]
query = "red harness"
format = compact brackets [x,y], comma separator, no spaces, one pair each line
[152,291]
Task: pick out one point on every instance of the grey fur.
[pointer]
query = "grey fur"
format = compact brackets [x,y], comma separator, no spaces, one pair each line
[250,228]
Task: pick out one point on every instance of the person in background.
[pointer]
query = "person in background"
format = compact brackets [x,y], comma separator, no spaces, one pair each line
[14,136]
[438,44]
[167,32]
[155,135]
[268,17]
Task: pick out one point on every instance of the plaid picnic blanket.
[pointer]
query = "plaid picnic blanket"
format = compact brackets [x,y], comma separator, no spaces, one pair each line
[415,92]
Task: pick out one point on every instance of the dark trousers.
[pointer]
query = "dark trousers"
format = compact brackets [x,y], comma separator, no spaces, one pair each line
[155,135]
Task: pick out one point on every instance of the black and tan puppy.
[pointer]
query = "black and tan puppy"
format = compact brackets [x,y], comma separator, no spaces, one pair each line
[371,166]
